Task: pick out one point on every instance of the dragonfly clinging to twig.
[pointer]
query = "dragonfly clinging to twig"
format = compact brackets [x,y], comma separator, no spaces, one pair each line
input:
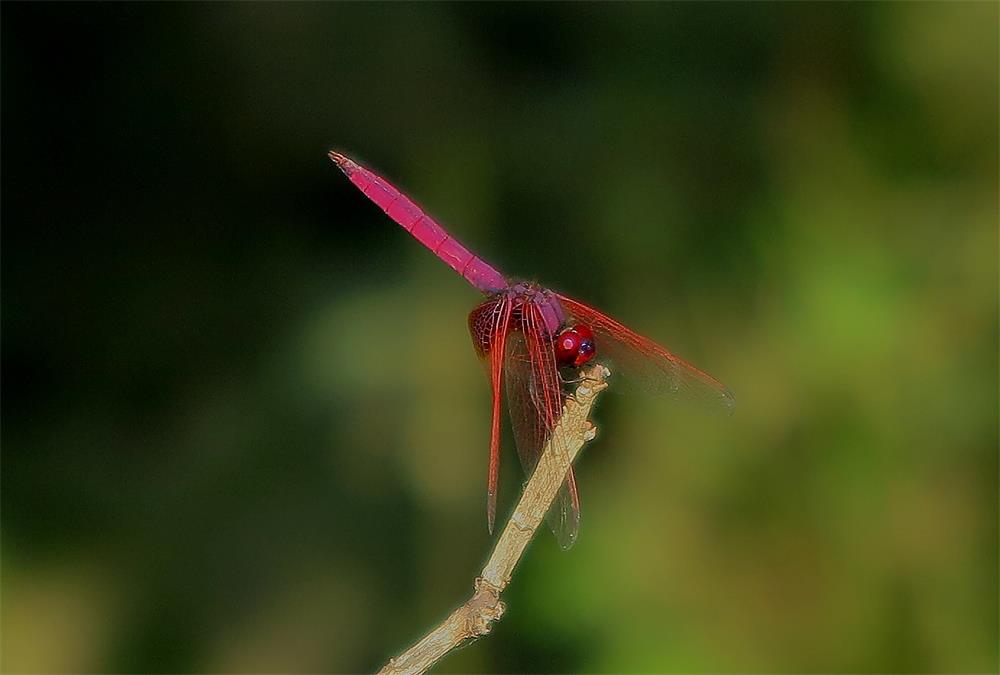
[528,336]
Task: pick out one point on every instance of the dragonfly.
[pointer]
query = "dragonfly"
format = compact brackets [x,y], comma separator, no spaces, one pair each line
[531,341]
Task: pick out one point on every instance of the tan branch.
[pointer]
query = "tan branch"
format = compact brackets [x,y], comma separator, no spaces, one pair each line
[475,618]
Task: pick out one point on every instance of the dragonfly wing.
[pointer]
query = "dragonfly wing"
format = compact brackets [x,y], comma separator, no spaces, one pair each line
[489,324]
[645,363]
[535,402]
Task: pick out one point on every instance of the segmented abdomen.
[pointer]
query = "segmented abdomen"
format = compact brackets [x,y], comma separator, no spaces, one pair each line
[424,229]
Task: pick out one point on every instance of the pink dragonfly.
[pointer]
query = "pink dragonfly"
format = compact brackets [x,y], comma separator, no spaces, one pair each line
[529,337]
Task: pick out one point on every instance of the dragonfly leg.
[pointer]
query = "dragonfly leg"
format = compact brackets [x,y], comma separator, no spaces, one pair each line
[573,380]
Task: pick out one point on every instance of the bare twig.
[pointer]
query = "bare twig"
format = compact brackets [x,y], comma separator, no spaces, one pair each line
[475,618]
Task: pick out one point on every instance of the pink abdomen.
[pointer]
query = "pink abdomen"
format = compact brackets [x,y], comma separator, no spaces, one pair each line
[401,209]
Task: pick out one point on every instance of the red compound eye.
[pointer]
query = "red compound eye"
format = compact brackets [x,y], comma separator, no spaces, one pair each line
[567,346]
[584,353]
[575,346]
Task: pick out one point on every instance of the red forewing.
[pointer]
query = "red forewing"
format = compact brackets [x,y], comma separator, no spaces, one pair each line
[645,363]
[489,325]
[535,402]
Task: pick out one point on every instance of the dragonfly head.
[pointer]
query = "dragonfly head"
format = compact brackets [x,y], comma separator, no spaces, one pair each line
[575,346]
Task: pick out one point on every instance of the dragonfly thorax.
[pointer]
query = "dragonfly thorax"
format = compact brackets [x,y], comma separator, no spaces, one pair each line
[532,311]
[535,308]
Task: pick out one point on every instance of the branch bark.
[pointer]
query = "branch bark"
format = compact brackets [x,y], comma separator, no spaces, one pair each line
[475,618]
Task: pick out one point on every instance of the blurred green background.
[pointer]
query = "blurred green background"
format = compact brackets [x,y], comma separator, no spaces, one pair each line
[243,425]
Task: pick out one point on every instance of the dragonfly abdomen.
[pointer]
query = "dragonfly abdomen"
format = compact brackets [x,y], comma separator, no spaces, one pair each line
[424,229]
